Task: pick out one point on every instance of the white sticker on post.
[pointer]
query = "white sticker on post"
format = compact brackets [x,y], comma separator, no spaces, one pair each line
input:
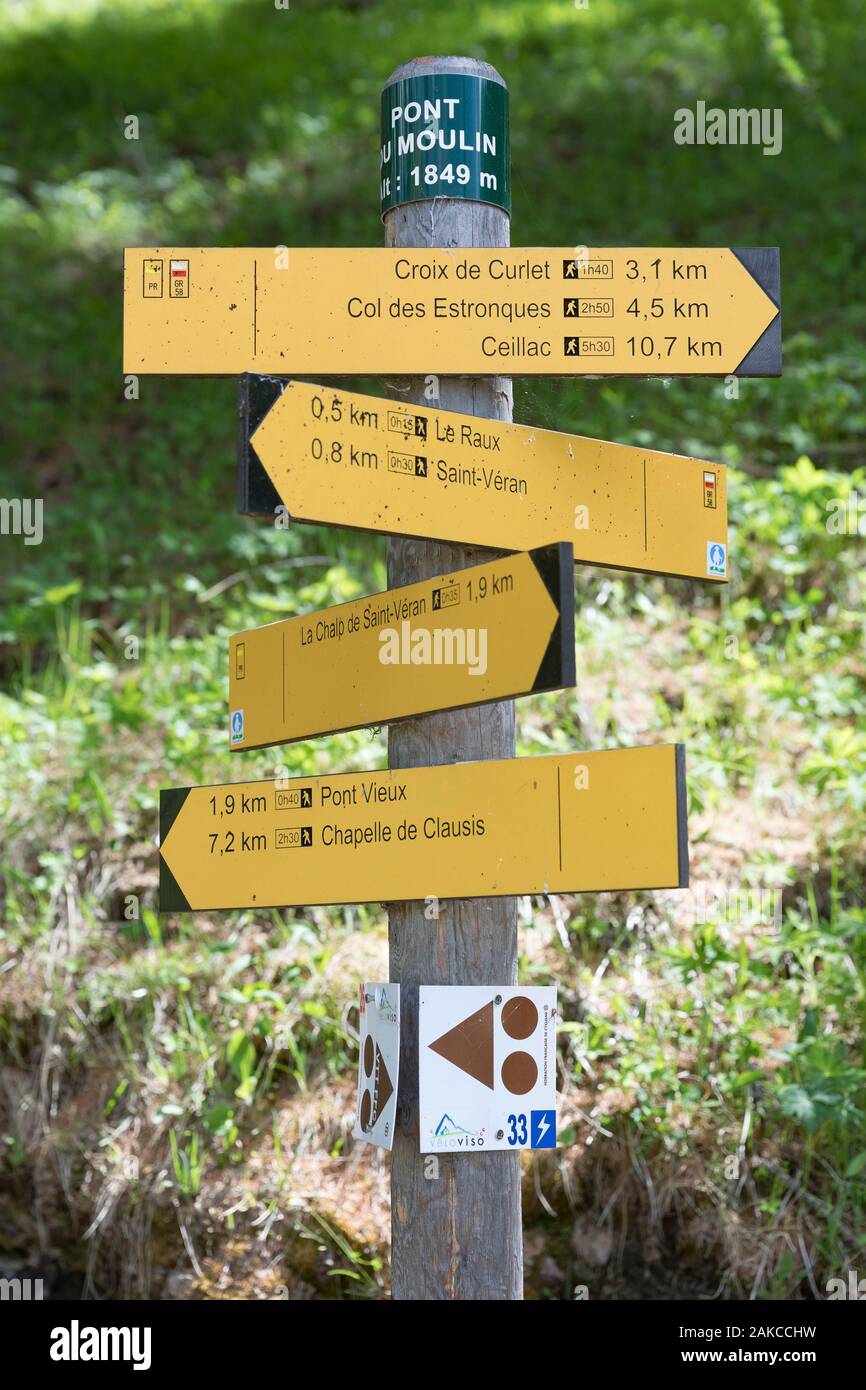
[487,1059]
[379,1063]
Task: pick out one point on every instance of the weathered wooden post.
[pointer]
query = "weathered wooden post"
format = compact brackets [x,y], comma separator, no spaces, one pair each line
[456,1230]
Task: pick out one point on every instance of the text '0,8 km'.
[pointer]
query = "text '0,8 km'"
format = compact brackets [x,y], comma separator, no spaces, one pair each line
[343,459]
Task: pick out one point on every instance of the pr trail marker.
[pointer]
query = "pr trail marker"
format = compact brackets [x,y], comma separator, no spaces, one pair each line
[522,311]
[581,822]
[490,632]
[343,459]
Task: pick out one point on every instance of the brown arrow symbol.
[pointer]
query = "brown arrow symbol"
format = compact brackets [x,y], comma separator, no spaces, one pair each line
[384,1088]
[469,1045]
[379,1092]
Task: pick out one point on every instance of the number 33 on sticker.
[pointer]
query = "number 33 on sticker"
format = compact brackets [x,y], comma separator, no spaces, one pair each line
[484,1050]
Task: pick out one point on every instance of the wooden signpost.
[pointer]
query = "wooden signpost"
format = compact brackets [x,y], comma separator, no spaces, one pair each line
[457,826]
[356,461]
[487,633]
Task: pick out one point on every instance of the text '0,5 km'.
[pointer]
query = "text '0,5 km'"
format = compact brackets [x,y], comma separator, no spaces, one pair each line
[343,459]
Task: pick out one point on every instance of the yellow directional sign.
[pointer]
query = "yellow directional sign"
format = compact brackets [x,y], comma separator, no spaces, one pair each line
[490,632]
[582,822]
[519,311]
[344,459]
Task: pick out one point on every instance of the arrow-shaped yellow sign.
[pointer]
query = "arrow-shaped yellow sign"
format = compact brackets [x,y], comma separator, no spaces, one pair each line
[519,311]
[490,632]
[583,822]
[344,459]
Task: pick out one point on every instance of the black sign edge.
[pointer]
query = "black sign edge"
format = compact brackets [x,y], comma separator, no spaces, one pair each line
[763,263]
[171,803]
[258,393]
[554,565]
[682,814]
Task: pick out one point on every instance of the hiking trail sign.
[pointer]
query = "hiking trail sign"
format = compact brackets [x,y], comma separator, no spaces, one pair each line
[567,311]
[490,632]
[487,1067]
[457,830]
[581,822]
[344,459]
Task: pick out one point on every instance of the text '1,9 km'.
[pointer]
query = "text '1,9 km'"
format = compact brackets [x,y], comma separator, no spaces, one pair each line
[489,632]
[581,823]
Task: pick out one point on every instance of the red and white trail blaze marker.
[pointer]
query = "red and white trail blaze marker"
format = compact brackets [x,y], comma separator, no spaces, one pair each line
[179,279]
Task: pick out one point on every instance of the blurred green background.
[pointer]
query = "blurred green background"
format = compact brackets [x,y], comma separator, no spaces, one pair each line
[176,1097]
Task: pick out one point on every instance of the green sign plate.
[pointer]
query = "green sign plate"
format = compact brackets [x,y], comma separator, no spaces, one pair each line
[445,136]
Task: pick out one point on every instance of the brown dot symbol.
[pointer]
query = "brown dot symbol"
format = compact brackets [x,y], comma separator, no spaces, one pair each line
[519,1073]
[369,1055]
[519,1017]
[366,1109]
